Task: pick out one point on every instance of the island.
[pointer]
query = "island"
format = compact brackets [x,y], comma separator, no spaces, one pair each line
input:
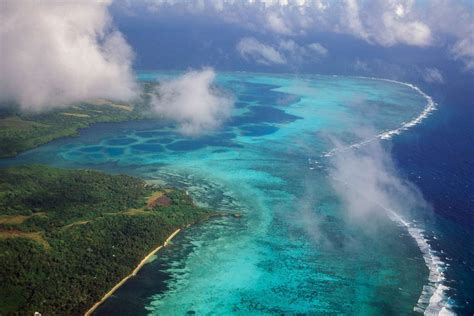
[21,130]
[67,237]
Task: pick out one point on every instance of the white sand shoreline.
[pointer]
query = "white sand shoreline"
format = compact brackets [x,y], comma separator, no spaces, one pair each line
[134,272]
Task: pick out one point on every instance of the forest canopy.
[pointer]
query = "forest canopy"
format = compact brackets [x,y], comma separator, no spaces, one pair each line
[68,236]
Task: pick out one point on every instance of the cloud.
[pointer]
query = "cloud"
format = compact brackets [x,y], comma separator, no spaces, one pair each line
[456,21]
[318,48]
[371,190]
[192,101]
[295,54]
[251,48]
[397,31]
[285,52]
[293,49]
[54,53]
[362,66]
[464,50]
[352,19]
[368,183]
[446,23]
[433,75]
[276,23]
[376,67]
[385,22]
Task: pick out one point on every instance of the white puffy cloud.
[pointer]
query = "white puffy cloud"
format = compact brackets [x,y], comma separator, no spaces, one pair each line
[392,22]
[192,101]
[447,23]
[375,67]
[292,51]
[318,49]
[54,53]
[398,31]
[352,22]
[454,19]
[433,75]
[383,22]
[464,50]
[277,24]
[251,48]
[368,183]
[286,51]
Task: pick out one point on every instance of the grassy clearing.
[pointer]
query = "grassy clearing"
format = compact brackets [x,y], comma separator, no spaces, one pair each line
[35,236]
[17,123]
[17,219]
[75,114]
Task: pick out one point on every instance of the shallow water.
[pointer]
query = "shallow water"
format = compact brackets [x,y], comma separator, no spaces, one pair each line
[292,251]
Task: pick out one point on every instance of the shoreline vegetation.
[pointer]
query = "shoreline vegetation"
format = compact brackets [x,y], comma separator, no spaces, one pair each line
[69,236]
[21,131]
[134,272]
[146,259]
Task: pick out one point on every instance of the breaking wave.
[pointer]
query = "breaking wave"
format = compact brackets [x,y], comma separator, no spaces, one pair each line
[433,300]
[430,107]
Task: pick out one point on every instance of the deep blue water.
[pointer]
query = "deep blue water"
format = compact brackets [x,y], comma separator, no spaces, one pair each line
[438,156]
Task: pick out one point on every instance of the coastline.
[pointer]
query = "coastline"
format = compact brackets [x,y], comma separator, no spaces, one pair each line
[433,298]
[133,273]
[429,107]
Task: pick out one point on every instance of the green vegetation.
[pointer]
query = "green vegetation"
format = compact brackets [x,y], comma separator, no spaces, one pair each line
[20,131]
[68,236]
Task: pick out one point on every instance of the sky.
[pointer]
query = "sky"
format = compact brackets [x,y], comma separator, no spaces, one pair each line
[54,53]
[296,36]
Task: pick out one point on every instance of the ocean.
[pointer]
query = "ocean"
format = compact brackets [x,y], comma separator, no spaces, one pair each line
[355,199]
[438,157]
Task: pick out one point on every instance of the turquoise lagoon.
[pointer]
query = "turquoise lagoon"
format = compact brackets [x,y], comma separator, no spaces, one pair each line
[293,251]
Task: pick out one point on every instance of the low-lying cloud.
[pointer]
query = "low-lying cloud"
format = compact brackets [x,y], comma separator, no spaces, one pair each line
[370,187]
[251,49]
[285,52]
[193,102]
[368,183]
[318,49]
[54,53]
[433,75]
[464,50]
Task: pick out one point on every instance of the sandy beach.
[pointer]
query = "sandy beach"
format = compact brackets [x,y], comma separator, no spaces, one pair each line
[134,272]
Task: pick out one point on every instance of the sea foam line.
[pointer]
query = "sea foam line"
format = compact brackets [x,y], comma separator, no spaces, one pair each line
[430,107]
[433,296]
[432,300]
